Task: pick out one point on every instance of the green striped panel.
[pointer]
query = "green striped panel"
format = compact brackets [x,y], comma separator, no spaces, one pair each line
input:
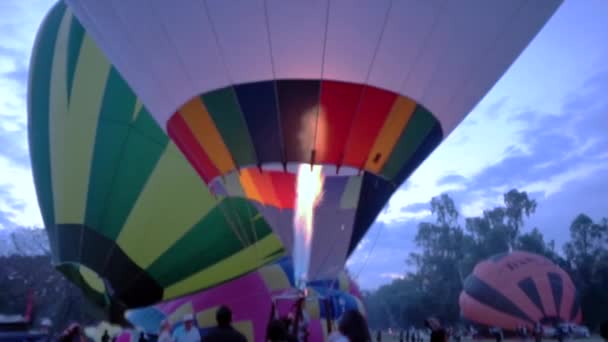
[118,101]
[138,159]
[417,129]
[38,116]
[75,39]
[112,133]
[225,111]
[147,127]
[211,240]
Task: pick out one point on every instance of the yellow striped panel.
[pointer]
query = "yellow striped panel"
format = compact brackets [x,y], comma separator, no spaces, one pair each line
[274,277]
[173,201]
[389,134]
[203,127]
[350,197]
[248,183]
[232,184]
[70,162]
[179,313]
[245,328]
[229,268]
[92,279]
[206,318]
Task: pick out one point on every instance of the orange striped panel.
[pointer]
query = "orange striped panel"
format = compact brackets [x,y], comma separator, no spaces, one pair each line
[265,187]
[249,185]
[483,314]
[200,122]
[394,125]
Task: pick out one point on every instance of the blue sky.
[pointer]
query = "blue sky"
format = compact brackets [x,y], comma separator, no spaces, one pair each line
[542,128]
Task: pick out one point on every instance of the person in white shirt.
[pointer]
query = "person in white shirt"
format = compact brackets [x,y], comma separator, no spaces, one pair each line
[165,332]
[190,333]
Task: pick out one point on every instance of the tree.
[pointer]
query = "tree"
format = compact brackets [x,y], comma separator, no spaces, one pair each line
[587,255]
[442,263]
[534,242]
[447,253]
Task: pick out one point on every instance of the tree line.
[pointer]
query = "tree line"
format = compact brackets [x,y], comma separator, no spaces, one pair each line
[449,248]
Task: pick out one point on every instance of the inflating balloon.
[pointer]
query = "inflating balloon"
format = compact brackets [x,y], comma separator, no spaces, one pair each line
[251,299]
[519,288]
[165,138]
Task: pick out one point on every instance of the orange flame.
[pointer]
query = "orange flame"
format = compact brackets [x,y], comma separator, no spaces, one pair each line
[309,189]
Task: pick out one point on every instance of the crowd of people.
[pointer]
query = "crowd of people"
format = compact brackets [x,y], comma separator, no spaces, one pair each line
[352,327]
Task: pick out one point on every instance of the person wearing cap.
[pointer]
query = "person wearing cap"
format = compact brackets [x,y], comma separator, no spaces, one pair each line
[224,330]
[165,332]
[190,333]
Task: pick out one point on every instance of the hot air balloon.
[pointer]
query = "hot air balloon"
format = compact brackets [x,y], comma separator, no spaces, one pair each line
[250,298]
[165,137]
[519,288]
[127,216]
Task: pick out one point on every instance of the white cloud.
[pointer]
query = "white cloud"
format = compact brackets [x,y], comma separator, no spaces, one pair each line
[21,187]
[391,275]
[18,27]
[556,183]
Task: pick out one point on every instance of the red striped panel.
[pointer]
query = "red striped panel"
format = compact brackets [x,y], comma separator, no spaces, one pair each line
[375,106]
[286,182]
[338,105]
[182,136]
[486,315]
[568,295]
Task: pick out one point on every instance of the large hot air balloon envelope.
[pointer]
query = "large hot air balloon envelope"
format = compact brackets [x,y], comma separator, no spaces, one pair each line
[165,136]
[519,288]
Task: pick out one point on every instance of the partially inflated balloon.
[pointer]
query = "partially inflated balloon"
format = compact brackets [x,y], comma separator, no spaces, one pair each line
[519,288]
[168,167]
[250,298]
[250,89]
[127,215]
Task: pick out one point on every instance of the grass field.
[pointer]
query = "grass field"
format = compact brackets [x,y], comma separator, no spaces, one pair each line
[387,338]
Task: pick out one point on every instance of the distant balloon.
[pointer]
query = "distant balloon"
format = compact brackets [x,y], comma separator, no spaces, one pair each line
[165,138]
[511,289]
[250,298]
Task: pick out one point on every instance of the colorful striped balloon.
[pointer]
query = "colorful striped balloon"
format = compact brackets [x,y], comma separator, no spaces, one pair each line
[519,288]
[165,136]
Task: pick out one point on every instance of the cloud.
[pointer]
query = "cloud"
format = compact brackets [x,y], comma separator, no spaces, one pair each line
[392,275]
[415,207]
[10,206]
[451,179]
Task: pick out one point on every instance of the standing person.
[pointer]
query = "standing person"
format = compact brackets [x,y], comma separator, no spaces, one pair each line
[45,327]
[105,337]
[353,328]
[224,331]
[402,337]
[190,333]
[379,335]
[538,332]
[165,332]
